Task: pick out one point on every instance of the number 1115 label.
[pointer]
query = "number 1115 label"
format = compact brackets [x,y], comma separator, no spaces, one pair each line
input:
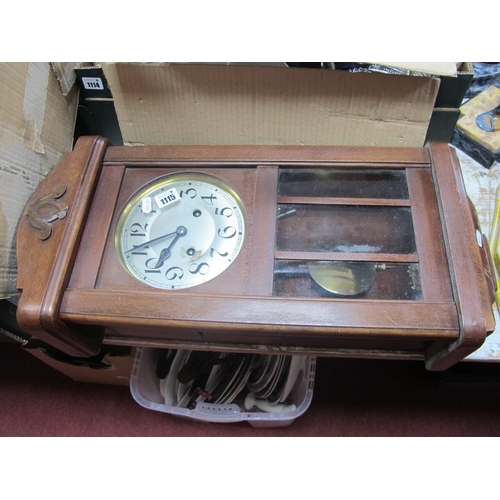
[166,198]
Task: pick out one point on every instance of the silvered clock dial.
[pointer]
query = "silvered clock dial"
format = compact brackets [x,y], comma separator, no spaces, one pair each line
[180,230]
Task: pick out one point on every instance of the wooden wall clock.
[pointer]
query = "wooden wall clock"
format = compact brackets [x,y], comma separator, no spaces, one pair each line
[331,251]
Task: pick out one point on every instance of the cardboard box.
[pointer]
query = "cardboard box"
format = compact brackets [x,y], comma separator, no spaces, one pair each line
[451,94]
[442,124]
[113,365]
[163,103]
[455,80]
[65,73]
[453,88]
[455,77]
[36,129]
[96,110]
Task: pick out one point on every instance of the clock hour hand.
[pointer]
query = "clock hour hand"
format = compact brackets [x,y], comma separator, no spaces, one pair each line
[166,252]
[151,242]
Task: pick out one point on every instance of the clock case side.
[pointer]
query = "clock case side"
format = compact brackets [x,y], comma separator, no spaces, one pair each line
[469,261]
[48,237]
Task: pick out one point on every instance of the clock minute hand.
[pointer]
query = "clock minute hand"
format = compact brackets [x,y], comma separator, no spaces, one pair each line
[166,252]
[151,242]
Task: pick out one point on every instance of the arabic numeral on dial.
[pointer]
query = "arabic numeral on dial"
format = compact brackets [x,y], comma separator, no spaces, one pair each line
[226,211]
[135,250]
[202,268]
[227,233]
[213,251]
[191,192]
[137,230]
[151,268]
[174,272]
[209,200]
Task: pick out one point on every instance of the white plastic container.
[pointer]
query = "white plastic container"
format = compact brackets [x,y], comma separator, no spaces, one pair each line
[145,389]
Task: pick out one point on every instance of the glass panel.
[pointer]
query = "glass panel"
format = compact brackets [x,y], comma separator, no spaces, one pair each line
[341,228]
[342,279]
[343,183]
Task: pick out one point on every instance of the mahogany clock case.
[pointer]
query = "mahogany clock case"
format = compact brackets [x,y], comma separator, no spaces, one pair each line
[393,223]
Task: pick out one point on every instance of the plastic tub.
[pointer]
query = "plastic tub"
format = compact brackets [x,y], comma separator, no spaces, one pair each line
[145,389]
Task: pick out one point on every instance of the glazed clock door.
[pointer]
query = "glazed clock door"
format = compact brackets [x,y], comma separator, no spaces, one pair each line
[349,233]
[335,255]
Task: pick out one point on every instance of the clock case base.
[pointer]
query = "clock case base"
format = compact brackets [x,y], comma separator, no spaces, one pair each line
[76,296]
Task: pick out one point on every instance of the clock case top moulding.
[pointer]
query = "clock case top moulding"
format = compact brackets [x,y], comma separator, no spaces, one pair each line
[76,295]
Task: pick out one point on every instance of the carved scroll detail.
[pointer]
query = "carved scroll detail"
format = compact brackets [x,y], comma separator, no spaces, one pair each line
[47,209]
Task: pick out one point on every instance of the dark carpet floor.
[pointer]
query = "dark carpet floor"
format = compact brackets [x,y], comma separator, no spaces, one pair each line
[351,398]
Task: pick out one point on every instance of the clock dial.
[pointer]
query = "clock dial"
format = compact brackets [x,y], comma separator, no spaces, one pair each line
[180,230]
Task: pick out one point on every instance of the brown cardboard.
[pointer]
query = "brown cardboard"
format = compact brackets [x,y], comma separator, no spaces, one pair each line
[163,103]
[65,73]
[112,369]
[36,129]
